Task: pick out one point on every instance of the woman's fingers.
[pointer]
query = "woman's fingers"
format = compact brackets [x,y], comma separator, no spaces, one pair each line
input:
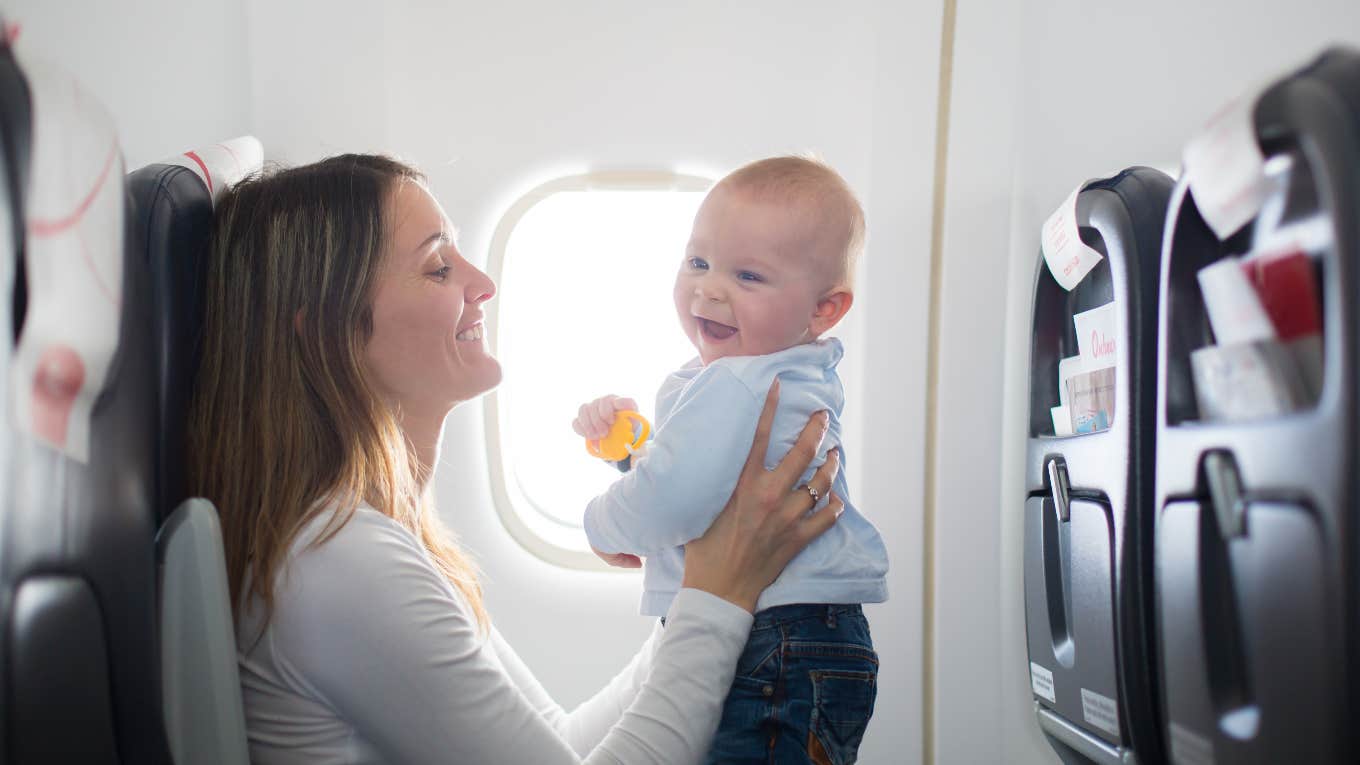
[795,463]
[755,459]
[765,524]
[816,524]
[825,476]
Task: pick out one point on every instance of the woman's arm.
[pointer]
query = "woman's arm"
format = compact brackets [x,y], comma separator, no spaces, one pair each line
[368,628]
[586,725]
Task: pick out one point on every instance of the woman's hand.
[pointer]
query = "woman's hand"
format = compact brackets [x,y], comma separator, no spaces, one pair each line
[765,523]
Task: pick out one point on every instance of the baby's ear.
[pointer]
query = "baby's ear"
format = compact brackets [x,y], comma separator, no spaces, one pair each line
[831,308]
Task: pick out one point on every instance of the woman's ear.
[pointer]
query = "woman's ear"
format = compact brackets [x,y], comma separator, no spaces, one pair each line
[297,321]
[831,308]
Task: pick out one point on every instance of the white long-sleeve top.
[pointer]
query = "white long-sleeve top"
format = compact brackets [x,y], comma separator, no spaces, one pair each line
[372,656]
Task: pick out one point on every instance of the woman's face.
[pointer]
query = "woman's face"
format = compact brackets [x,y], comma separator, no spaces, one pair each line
[427,352]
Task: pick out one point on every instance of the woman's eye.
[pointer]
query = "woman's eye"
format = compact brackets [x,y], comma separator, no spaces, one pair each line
[749,276]
[698,264]
[441,273]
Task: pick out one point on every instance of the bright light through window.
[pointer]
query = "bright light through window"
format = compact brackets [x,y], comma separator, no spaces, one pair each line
[585,309]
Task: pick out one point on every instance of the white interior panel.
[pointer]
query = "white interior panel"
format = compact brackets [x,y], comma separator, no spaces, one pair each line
[170,72]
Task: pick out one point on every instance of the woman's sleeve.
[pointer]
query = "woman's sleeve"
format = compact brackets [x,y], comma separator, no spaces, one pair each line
[367,624]
[586,725]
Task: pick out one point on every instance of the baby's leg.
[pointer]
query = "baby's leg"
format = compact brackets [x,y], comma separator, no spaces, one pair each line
[749,714]
[804,691]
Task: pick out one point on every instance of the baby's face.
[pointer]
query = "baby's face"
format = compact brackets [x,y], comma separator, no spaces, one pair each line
[752,276]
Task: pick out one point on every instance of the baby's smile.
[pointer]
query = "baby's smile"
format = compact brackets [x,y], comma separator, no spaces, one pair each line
[713,330]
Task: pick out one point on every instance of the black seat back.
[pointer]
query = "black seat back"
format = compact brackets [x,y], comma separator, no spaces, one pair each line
[80,673]
[171,212]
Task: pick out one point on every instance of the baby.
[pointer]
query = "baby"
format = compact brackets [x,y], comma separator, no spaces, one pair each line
[766,273]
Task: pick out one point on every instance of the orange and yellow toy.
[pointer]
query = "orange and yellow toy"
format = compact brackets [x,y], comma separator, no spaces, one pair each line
[629,431]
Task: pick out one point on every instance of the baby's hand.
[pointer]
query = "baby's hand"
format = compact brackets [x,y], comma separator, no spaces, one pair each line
[594,418]
[620,560]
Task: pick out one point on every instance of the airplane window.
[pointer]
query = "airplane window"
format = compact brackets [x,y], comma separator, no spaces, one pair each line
[585,267]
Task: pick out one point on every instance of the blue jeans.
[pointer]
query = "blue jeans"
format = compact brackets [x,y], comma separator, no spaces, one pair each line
[804,689]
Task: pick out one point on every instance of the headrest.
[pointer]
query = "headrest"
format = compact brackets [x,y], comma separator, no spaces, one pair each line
[73,261]
[221,165]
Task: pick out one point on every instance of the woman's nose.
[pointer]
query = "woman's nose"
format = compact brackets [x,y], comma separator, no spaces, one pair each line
[480,288]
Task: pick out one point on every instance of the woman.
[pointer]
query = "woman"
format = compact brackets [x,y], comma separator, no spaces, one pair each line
[342,326]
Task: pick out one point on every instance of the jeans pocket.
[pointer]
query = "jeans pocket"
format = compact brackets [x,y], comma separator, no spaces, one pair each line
[843,702]
[759,660]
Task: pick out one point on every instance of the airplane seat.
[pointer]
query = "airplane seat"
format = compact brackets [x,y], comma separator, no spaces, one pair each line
[14,150]
[1088,470]
[79,671]
[172,206]
[1255,543]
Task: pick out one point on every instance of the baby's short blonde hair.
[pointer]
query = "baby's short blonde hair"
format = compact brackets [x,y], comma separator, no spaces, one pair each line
[808,180]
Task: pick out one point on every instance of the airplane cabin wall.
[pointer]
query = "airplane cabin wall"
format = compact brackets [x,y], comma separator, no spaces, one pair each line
[1047,94]
[170,72]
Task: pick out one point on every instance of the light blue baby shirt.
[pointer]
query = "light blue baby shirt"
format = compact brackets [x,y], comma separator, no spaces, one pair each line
[706,417]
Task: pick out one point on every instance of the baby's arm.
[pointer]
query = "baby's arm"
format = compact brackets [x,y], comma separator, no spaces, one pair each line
[691,468]
[594,420]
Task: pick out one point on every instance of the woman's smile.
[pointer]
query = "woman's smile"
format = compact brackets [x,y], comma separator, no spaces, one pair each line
[473,333]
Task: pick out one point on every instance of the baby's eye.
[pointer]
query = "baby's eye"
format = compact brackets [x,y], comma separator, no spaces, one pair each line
[750,276]
[698,264]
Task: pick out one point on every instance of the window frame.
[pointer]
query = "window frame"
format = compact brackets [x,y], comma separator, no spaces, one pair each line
[532,527]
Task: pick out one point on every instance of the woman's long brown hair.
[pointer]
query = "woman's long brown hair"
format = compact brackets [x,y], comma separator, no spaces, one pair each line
[285,424]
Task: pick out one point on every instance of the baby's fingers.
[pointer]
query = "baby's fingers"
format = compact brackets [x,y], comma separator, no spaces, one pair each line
[598,423]
[604,410]
[588,424]
[579,424]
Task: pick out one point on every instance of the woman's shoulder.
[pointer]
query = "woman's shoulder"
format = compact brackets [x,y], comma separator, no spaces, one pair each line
[337,534]
[366,580]
[353,558]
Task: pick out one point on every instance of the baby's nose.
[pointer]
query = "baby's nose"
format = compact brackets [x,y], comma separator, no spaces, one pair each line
[708,292]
